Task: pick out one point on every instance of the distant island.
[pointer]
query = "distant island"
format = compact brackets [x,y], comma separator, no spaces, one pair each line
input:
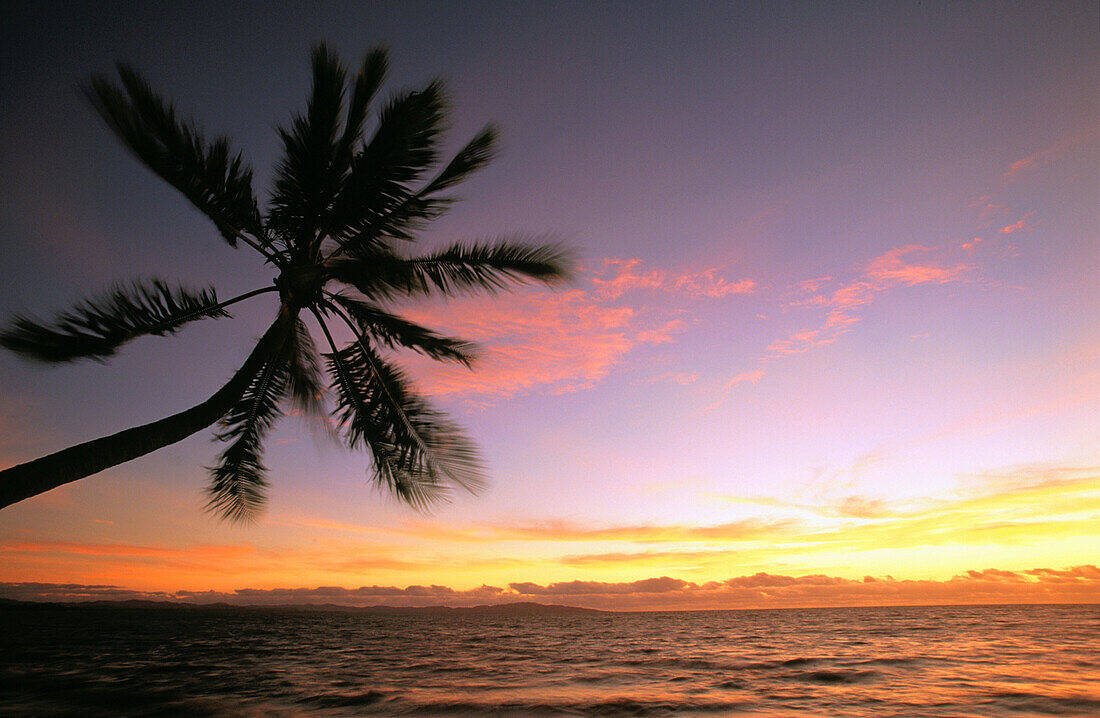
[519,608]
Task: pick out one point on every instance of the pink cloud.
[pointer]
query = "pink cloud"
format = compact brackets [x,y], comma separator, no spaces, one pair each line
[817,299]
[801,342]
[1067,145]
[906,266]
[681,378]
[619,276]
[661,334]
[1037,159]
[852,295]
[892,268]
[986,207]
[559,341]
[707,283]
[616,277]
[812,285]
[1020,165]
[751,377]
[563,341]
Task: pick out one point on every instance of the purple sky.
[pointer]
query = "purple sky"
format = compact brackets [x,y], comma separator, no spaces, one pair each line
[835,311]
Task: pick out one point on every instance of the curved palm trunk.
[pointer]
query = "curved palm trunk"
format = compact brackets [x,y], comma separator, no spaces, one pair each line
[38,476]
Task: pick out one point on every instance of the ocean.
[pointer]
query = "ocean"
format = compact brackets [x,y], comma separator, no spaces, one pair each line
[912,661]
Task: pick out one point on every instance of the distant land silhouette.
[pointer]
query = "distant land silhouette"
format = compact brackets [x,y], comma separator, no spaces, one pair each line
[519,608]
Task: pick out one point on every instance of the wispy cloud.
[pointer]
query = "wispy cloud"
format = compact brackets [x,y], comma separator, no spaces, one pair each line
[612,278]
[723,392]
[570,532]
[1048,155]
[909,265]
[1024,224]
[1013,506]
[1038,159]
[905,266]
[200,552]
[987,208]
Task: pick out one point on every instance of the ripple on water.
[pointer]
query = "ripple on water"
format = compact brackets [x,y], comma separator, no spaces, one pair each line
[836,676]
[919,662]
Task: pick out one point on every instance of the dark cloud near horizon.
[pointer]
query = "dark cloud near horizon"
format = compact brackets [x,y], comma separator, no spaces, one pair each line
[1077,584]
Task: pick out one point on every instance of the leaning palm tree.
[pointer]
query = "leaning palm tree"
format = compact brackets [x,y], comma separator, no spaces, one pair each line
[343,211]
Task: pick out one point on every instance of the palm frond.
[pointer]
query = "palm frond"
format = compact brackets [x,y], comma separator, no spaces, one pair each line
[238,483]
[393,331]
[216,181]
[403,216]
[402,149]
[376,272]
[372,73]
[305,383]
[456,269]
[95,329]
[308,177]
[401,220]
[417,453]
[490,266]
[475,155]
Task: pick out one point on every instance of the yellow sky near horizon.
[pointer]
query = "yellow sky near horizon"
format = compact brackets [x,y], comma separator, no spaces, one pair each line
[1016,523]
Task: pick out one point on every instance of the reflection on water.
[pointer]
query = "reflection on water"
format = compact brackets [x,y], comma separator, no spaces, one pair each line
[953,661]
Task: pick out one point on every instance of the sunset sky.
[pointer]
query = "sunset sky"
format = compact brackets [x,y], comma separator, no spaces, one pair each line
[833,336]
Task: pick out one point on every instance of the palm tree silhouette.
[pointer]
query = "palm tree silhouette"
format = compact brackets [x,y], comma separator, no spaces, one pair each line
[342,208]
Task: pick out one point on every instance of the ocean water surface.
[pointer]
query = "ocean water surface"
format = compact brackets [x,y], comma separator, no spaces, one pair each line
[913,661]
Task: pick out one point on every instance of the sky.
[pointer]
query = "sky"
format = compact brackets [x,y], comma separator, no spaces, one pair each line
[833,335]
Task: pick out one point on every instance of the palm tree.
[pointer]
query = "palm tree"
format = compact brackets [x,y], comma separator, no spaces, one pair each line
[343,209]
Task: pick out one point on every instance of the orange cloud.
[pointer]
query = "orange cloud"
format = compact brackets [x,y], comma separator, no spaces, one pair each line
[142,565]
[1023,224]
[204,552]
